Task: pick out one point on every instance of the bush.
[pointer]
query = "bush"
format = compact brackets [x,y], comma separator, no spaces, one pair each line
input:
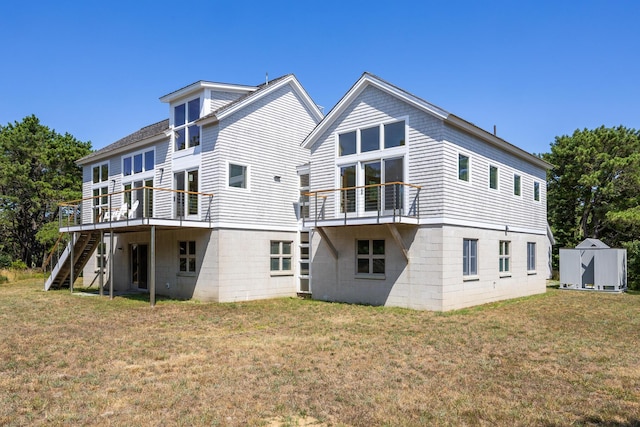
[3,279]
[18,265]
[5,261]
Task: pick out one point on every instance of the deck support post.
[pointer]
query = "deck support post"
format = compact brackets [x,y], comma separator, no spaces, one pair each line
[72,261]
[101,257]
[152,272]
[111,252]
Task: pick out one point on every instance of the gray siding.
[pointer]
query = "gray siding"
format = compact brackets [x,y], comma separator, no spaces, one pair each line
[219,99]
[265,136]
[475,201]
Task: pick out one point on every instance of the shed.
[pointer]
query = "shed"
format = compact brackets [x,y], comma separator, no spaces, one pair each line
[592,265]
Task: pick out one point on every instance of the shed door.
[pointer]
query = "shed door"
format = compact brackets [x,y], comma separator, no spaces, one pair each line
[570,267]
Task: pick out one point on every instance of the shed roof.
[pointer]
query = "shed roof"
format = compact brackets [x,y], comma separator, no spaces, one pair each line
[592,243]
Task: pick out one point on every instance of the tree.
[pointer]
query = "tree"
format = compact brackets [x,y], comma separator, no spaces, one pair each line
[594,189]
[37,170]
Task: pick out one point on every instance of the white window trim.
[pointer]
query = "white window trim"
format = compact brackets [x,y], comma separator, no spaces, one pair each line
[474,276]
[186,150]
[280,256]
[506,273]
[535,258]
[457,171]
[248,176]
[186,184]
[491,165]
[533,191]
[103,182]
[514,185]
[188,256]
[145,174]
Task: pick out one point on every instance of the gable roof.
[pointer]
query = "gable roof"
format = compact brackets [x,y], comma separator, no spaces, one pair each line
[261,91]
[368,79]
[140,137]
[160,130]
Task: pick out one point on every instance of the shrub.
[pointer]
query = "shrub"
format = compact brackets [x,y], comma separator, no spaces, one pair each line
[18,265]
[3,279]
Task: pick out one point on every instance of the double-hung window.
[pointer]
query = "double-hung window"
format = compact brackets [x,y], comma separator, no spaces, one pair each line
[470,257]
[493,177]
[531,256]
[370,257]
[463,167]
[505,256]
[186,132]
[100,189]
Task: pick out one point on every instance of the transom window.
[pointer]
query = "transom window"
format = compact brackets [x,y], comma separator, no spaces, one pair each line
[370,257]
[493,177]
[187,256]
[505,256]
[516,185]
[463,167]
[373,138]
[280,255]
[470,257]
[237,176]
[186,133]
[138,163]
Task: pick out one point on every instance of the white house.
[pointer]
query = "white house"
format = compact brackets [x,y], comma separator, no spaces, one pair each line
[412,206]
[247,192]
[203,204]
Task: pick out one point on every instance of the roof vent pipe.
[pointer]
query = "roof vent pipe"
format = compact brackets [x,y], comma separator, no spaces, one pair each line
[494,130]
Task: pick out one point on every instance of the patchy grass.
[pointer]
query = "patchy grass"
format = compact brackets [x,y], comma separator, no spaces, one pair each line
[563,358]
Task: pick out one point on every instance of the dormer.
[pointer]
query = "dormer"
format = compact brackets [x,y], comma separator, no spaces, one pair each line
[197,100]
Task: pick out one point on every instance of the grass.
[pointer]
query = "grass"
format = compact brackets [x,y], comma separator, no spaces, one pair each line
[562,358]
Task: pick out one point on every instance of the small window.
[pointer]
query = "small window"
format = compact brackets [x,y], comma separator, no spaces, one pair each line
[237,176]
[370,257]
[463,167]
[280,256]
[536,191]
[493,177]
[347,143]
[370,139]
[470,257]
[126,166]
[179,115]
[137,163]
[516,185]
[100,173]
[187,256]
[186,133]
[505,256]
[394,134]
[531,256]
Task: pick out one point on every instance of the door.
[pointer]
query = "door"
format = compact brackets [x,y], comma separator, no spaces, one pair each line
[139,265]
[394,193]
[372,189]
[186,197]
[179,199]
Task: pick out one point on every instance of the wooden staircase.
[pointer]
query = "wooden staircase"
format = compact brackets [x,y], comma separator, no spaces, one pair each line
[85,245]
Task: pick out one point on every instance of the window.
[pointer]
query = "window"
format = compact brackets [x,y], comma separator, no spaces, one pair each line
[531,256]
[304,195]
[505,256]
[186,198]
[348,193]
[370,257]
[469,257]
[347,143]
[237,176]
[394,134]
[303,278]
[187,256]
[388,135]
[493,177]
[516,185]
[536,191]
[100,173]
[101,259]
[186,133]
[138,163]
[100,202]
[280,256]
[463,167]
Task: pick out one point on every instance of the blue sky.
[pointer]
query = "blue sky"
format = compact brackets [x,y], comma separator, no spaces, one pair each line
[535,69]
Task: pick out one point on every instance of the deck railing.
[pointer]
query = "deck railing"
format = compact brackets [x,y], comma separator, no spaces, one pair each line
[136,203]
[391,201]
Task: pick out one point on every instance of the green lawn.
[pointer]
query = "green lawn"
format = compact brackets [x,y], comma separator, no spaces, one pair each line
[562,358]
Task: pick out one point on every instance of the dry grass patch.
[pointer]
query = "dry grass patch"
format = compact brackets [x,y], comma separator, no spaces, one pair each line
[558,359]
